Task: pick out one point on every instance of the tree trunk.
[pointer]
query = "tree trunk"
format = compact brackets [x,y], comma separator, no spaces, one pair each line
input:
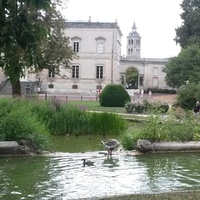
[16,88]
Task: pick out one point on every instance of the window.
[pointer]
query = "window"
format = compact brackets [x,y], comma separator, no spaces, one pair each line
[141,80]
[99,47]
[51,85]
[99,87]
[155,71]
[137,52]
[52,72]
[76,47]
[76,44]
[74,86]
[75,71]
[131,51]
[137,43]
[155,82]
[99,72]
[100,41]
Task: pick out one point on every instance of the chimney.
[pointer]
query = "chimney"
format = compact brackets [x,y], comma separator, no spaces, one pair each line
[89,19]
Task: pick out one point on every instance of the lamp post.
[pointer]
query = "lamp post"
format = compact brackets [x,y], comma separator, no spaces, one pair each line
[28,89]
[38,83]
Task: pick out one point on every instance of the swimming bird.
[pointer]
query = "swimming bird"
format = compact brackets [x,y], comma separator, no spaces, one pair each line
[87,162]
[110,145]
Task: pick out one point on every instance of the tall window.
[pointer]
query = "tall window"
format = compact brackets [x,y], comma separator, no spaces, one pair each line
[76,47]
[99,72]
[52,72]
[75,71]
[155,71]
[137,52]
[155,82]
[100,42]
[99,47]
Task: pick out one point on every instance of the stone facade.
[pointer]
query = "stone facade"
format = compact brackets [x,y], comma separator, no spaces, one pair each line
[99,61]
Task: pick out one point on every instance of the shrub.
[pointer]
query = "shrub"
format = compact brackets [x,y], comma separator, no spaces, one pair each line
[186,96]
[130,138]
[138,107]
[146,106]
[129,107]
[20,124]
[164,108]
[159,90]
[114,96]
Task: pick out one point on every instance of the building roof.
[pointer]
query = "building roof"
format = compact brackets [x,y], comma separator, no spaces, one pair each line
[89,24]
[134,32]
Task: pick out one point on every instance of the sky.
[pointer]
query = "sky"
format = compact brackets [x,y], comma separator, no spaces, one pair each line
[155,20]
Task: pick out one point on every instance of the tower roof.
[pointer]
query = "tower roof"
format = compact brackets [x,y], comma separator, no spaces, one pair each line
[134,32]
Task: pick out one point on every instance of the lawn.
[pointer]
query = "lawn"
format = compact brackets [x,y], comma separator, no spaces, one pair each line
[95,106]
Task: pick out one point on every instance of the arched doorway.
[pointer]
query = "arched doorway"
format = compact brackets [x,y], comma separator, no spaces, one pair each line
[132,78]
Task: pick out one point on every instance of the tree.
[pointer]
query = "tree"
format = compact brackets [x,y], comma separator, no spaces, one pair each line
[184,67]
[132,77]
[54,51]
[189,32]
[31,38]
[188,95]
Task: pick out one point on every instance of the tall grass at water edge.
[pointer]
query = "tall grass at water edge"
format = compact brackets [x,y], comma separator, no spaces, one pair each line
[57,118]
[156,129]
[18,123]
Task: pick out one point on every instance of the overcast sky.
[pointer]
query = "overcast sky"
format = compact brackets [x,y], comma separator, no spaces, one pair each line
[155,20]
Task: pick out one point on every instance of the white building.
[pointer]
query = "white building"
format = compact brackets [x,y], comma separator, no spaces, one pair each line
[99,61]
[150,73]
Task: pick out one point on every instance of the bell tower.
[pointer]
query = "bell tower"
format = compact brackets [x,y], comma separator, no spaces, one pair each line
[133,48]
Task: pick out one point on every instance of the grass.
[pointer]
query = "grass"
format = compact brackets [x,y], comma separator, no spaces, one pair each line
[95,106]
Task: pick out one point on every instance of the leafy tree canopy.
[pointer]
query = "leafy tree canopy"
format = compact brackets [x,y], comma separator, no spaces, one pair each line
[31,37]
[189,32]
[132,77]
[184,67]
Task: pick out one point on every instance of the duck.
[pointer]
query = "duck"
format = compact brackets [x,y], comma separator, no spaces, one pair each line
[87,162]
[110,145]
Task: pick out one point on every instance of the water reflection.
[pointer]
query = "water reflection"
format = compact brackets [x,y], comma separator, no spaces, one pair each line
[62,175]
[111,162]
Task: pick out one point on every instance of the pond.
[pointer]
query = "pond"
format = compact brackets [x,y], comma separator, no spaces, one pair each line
[61,175]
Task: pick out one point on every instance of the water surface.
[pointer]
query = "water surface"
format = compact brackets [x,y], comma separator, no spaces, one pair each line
[62,175]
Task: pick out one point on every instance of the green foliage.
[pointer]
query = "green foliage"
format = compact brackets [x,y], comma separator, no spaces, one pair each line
[188,32]
[132,77]
[114,96]
[106,124]
[146,106]
[154,130]
[36,120]
[138,107]
[160,90]
[184,67]
[19,124]
[129,106]
[26,41]
[130,137]
[157,129]
[187,96]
